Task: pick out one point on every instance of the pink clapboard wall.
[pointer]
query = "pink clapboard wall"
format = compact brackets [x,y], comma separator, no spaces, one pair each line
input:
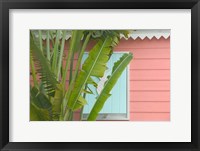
[149,78]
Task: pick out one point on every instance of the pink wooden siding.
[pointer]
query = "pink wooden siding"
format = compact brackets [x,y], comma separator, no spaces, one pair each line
[149,78]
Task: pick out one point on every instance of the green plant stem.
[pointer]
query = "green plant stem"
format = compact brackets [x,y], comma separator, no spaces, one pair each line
[76,37]
[40,40]
[48,46]
[61,53]
[71,67]
[55,52]
[64,77]
[52,38]
[67,115]
[81,55]
[76,70]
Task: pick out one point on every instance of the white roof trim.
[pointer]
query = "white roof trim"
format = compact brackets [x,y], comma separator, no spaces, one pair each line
[157,33]
[134,34]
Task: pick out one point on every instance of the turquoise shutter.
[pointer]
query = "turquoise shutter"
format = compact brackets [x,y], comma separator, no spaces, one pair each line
[117,102]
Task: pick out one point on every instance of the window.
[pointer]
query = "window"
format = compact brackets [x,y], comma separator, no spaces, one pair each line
[116,107]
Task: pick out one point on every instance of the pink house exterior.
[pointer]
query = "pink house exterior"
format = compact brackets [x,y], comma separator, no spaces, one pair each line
[149,77]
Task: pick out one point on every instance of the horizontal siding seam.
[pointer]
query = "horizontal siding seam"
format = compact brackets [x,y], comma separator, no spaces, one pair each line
[149,58]
[150,69]
[123,48]
[151,112]
[149,101]
[149,90]
[151,80]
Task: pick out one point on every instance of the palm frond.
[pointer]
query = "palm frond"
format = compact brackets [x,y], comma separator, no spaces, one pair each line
[43,68]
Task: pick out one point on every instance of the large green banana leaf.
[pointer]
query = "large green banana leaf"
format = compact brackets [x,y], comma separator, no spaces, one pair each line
[39,99]
[43,68]
[94,65]
[117,70]
[38,114]
[40,106]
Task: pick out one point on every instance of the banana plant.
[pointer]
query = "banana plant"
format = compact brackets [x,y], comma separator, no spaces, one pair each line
[50,98]
[49,69]
[94,65]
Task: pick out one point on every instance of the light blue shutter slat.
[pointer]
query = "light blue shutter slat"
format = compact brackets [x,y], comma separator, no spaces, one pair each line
[117,102]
